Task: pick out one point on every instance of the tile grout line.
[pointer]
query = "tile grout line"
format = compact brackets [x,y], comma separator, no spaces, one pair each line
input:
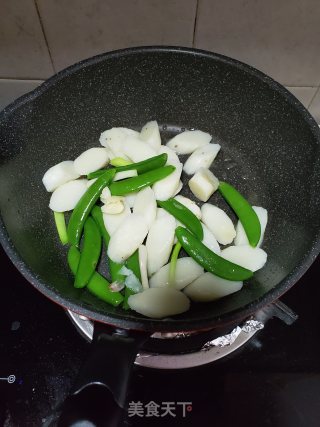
[312,99]
[44,34]
[195,23]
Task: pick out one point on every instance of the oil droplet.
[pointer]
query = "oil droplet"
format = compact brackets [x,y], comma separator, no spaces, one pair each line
[164,127]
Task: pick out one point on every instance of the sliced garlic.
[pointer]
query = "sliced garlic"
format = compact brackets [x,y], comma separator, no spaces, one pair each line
[203,184]
[159,302]
[125,174]
[113,205]
[59,174]
[218,223]
[241,237]
[190,204]
[150,134]
[127,238]
[201,158]
[248,257]
[187,270]
[187,142]
[209,287]
[180,186]
[66,197]
[91,160]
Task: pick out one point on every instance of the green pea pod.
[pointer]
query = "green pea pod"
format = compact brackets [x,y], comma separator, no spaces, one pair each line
[133,264]
[84,206]
[114,267]
[247,216]
[61,227]
[127,293]
[146,165]
[97,285]
[210,261]
[137,183]
[141,167]
[184,215]
[90,254]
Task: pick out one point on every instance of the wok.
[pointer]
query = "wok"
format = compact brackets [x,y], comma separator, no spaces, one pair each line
[270,152]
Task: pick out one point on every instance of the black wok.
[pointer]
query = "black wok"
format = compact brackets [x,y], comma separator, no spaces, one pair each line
[270,152]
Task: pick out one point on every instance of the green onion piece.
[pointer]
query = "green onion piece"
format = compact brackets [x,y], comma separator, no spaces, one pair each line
[173,264]
[119,161]
[61,227]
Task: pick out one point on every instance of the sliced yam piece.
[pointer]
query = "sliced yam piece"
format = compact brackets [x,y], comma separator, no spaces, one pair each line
[203,184]
[187,270]
[172,159]
[115,138]
[130,199]
[167,187]
[145,204]
[201,158]
[150,134]
[159,302]
[187,142]
[248,257]
[209,240]
[209,287]
[59,174]
[91,160]
[125,174]
[137,150]
[112,222]
[180,186]
[190,204]
[127,238]
[241,237]
[66,197]
[143,259]
[218,223]
[159,242]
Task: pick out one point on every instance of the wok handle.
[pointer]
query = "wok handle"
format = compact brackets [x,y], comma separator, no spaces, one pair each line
[99,395]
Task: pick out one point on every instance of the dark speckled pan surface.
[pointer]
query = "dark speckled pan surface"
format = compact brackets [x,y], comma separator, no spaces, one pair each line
[270,152]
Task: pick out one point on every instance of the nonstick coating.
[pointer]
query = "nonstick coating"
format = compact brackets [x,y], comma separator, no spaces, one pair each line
[270,152]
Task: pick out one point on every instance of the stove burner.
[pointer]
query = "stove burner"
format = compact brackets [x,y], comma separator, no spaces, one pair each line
[210,351]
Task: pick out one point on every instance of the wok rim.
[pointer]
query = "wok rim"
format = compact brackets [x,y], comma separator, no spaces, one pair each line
[160,325]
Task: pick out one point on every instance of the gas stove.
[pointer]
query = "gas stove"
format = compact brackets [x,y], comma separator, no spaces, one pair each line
[264,372]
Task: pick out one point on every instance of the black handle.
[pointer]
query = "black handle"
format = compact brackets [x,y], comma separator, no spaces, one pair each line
[99,394]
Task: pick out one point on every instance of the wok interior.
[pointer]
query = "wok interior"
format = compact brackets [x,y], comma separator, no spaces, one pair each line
[268,152]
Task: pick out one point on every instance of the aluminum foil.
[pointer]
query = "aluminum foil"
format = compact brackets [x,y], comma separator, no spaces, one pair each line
[248,327]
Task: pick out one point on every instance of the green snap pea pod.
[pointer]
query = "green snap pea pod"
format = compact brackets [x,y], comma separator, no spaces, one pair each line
[84,206]
[139,182]
[244,211]
[114,267]
[97,285]
[173,263]
[141,167]
[184,215]
[61,227]
[210,261]
[90,253]
[146,165]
